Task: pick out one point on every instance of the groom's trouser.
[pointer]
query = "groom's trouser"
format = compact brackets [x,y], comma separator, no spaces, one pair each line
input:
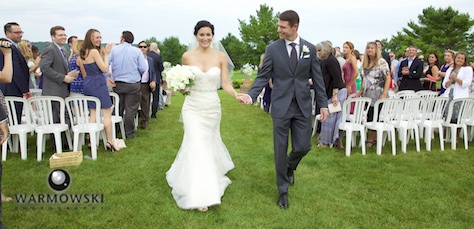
[300,128]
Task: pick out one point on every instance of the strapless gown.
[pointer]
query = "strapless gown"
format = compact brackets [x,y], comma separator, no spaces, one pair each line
[197,176]
[96,85]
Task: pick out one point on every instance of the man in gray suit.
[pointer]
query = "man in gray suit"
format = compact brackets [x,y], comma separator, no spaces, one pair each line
[292,61]
[54,65]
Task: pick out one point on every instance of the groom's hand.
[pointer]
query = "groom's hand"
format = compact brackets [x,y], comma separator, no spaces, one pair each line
[244,98]
[324,113]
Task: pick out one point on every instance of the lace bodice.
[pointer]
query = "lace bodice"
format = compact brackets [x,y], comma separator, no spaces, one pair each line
[206,81]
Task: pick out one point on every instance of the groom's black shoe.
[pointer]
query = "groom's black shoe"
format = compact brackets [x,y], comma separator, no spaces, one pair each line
[283,201]
[291,176]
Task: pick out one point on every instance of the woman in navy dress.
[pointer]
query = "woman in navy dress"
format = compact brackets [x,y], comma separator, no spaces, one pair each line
[94,64]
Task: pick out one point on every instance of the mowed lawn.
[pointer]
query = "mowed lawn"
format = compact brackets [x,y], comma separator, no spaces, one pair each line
[413,190]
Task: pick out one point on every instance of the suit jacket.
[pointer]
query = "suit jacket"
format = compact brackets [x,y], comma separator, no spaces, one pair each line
[288,84]
[157,64]
[412,80]
[151,70]
[54,70]
[21,77]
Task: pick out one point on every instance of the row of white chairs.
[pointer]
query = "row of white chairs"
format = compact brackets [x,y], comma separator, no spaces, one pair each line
[38,118]
[417,115]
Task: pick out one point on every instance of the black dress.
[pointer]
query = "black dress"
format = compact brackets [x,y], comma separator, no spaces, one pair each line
[429,85]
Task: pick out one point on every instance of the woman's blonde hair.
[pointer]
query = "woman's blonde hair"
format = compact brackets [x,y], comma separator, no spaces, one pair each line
[76,48]
[366,60]
[23,45]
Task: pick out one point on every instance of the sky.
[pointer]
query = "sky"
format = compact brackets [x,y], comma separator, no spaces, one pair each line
[337,21]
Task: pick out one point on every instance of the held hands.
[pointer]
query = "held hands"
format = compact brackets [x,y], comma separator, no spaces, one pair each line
[243,98]
[71,76]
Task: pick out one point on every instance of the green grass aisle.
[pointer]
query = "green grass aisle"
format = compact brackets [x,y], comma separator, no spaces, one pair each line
[413,190]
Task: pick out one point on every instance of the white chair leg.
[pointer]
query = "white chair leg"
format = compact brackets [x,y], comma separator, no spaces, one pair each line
[465,137]
[441,139]
[4,151]
[93,145]
[76,141]
[122,130]
[23,147]
[417,139]
[348,143]
[58,142]
[394,143]
[453,138]
[379,142]
[428,138]
[40,146]
[362,140]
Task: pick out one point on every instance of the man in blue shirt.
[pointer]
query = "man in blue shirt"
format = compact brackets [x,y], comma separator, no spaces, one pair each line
[128,65]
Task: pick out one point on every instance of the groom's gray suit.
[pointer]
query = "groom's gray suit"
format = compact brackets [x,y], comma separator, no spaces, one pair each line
[291,105]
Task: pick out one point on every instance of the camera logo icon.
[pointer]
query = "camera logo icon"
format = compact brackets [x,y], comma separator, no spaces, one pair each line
[59,180]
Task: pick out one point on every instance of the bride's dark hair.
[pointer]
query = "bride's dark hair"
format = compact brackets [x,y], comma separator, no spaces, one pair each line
[202,24]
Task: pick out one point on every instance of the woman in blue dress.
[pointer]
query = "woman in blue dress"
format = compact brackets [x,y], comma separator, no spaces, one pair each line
[94,64]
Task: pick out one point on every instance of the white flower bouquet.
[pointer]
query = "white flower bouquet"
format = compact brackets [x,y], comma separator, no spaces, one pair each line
[180,78]
[247,69]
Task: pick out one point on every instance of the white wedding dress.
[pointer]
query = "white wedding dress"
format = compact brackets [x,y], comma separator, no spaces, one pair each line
[197,176]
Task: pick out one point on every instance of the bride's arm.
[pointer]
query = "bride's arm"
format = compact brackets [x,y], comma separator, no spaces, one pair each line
[226,85]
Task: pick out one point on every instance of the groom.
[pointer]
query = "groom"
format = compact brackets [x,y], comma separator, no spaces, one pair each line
[292,61]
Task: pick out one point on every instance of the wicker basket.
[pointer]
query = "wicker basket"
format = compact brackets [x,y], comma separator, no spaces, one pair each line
[65,159]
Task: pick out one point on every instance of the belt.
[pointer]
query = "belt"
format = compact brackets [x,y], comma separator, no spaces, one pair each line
[125,82]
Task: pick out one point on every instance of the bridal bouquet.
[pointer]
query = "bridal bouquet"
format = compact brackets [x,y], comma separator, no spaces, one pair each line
[180,78]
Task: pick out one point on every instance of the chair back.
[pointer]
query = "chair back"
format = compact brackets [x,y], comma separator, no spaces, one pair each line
[42,110]
[361,107]
[405,94]
[386,110]
[115,103]
[11,111]
[426,94]
[78,108]
[466,105]
[433,108]
[410,111]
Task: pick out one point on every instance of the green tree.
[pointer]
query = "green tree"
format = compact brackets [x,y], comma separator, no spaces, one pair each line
[260,31]
[172,50]
[153,39]
[436,31]
[235,49]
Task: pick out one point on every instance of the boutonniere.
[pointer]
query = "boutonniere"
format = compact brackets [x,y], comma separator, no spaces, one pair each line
[305,52]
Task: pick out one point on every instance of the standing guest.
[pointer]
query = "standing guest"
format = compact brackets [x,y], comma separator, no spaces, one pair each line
[70,43]
[339,58]
[33,64]
[430,73]
[36,55]
[291,97]
[411,70]
[457,81]
[349,68]
[154,53]
[56,78]
[449,59]
[77,86]
[393,63]
[397,69]
[93,64]
[336,92]
[375,82]
[128,65]
[148,86]
[20,84]
[422,58]
[385,55]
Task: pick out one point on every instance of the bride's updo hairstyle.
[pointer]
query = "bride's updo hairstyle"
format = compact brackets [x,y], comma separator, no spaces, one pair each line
[202,24]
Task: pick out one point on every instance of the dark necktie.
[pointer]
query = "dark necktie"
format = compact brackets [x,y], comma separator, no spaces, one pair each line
[293,57]
[64,55]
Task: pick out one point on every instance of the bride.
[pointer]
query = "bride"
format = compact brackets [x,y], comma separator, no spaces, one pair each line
[197,176]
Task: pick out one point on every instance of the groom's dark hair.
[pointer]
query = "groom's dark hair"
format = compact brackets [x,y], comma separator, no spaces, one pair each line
[290,16]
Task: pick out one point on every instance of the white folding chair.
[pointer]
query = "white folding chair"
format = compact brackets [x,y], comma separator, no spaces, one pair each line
[18,128]
[405,94]
[42,110]
[426,94]
[356,124]
[409,113]
[78,108]
[382,122]
[116,118]
[432,118]
[465,108]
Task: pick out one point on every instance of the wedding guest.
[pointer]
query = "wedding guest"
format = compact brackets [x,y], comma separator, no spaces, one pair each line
[148,86]
[20,84]
[33,65]
[411,71]
[349,68]
[70,43]
[77,86]
[375,82]
[92,65]
[449,61]
[336,92]
[128,65]
[385,55]
[6,73]
[154,53]
[457,81]
[197,176]
[430,73]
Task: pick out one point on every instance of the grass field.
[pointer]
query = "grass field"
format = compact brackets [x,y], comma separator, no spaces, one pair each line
[413,190]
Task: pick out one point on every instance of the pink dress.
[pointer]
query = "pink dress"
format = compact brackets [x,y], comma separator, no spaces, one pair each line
[348,71]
